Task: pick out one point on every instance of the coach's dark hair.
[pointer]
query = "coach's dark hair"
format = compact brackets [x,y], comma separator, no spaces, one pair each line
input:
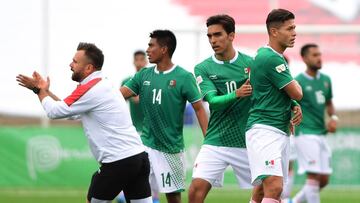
[93,53]
[305,49]
[165,38]
[277,17]
[139,52]
[226,21]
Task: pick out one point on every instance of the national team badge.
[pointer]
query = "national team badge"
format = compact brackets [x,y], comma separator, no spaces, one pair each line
[172,83]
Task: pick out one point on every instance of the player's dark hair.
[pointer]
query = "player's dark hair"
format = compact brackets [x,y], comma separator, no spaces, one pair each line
[139,52]
[93,53]
[305,48]
[226,21]
[277,17]
[165,38]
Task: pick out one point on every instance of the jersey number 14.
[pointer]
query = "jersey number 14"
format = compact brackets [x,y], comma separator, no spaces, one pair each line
[156,96]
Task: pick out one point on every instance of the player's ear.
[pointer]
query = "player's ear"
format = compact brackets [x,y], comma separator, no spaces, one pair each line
[273,31]
[164,50]
[232,36]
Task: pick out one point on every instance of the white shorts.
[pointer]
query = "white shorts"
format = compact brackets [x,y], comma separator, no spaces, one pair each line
[211,162]
[167,171]
[314,154]
[268,151]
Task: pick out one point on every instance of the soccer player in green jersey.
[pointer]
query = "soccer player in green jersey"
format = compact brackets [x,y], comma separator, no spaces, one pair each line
[223,80]
[164,90]
[137,115]
[267,135]
[313,151]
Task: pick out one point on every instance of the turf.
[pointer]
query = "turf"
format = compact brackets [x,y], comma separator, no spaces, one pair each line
[226,195]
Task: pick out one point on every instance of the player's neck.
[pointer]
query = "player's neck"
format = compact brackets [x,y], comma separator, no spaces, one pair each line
[164,65]
[276,46]
[311,72]
[227,55]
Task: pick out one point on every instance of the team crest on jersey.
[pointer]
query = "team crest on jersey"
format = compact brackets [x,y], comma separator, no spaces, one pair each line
[147,83]
[172,83]
[280,68]
[199,79]
[308,88]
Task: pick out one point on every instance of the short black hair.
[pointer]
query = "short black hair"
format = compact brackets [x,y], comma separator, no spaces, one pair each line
[277,17]
[93,53]
[226,21]
[305,48]
[165,38]
[139,52]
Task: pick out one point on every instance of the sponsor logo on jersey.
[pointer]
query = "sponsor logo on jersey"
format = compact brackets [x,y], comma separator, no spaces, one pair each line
[146,83]
[199,79]
[247,70]
[213,77]
[280,68]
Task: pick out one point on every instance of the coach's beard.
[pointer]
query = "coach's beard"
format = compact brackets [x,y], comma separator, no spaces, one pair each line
[76,77]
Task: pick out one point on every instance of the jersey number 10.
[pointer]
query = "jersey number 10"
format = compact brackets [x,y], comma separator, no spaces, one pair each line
[230,86]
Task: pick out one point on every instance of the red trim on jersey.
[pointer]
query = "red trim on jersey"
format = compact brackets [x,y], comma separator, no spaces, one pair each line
[80,91]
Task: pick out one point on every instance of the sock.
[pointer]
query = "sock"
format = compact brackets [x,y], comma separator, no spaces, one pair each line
[312,191]
[288,187]
[300,196]
[269,200]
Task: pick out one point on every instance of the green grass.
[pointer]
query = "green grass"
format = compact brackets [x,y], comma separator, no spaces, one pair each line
[225,195]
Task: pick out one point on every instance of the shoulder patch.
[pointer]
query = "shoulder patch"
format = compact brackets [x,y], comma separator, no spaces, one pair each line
[280,68]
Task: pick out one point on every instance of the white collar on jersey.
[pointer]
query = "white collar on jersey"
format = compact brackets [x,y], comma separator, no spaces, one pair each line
[222,62]
[164,72]
[311,77]
[269,47]
[96,74]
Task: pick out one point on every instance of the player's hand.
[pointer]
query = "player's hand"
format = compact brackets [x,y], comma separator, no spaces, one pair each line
[297,117]
[26,81]
[331,126]
[292,129]
[41,82]
[245,90]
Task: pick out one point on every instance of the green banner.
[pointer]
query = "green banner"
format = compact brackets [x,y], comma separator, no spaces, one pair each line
[45,157]
[60,157]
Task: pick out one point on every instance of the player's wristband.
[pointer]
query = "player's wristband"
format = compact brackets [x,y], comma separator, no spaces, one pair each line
[294,103]
[36,90]
[334,117]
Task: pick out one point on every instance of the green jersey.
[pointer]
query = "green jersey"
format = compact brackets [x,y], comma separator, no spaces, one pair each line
[270,103]
[136,113]
[316,92]
[226,126]
[163,97]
